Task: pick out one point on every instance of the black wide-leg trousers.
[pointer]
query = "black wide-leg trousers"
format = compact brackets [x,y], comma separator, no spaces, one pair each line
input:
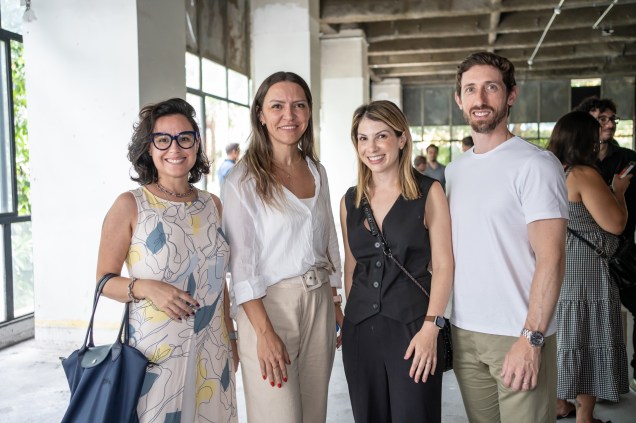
[380,388]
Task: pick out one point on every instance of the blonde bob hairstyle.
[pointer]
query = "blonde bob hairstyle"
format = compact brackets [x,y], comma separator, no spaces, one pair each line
[259,161]
[390,114]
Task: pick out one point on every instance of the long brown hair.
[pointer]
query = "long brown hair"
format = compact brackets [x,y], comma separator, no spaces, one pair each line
[259,155]
[390,114]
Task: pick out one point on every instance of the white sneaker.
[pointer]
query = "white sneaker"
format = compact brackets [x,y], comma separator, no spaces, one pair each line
[632,385]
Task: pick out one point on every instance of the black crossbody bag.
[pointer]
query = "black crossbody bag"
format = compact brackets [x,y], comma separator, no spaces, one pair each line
[446,330]
[622,264]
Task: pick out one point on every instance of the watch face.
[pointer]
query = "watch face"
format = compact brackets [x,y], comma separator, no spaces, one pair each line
[536,338]
[440,322]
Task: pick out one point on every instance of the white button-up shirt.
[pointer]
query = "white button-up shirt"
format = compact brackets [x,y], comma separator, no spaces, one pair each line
[269,244]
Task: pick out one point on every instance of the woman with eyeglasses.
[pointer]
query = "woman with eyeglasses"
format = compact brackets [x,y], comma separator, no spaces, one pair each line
[591,355]
[285,261]
[168,233]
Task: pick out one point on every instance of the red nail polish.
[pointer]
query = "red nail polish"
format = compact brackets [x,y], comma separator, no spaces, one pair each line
[271,383]
[264,377]
[279,385]
[284,379]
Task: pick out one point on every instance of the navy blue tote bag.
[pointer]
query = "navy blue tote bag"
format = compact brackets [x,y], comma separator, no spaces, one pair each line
[105,381]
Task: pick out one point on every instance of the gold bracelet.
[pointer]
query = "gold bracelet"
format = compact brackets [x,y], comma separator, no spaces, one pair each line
[131,285]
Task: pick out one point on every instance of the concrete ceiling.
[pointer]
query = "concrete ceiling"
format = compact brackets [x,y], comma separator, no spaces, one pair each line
[423,41]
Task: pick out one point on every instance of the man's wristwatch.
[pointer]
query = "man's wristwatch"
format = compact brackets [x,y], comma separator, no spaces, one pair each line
[438,320]
[534,337]
[337,299]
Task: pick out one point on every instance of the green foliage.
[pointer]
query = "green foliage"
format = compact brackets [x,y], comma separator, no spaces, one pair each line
[22,255]
[23,172]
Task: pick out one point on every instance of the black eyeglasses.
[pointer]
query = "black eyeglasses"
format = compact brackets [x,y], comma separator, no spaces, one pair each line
[604,119]
[163,141]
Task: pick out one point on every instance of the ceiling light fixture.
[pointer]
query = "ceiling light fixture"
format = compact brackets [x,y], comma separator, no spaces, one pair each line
[29,14]
[557,11]
[603,16]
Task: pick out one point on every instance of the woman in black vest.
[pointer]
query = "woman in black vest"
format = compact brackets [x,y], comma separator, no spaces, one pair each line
[392,350]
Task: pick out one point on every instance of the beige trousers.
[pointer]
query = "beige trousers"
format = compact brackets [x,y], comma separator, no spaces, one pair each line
[306,323]
[477,362]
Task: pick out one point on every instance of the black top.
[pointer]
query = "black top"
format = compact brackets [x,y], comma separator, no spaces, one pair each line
[615,161]
[379,286]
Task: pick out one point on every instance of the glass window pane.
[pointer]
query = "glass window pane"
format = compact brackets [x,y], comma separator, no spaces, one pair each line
[196,101]
[22,253]
[237,86]
[193,71]
[217,136]
[214,78]
[6,176]
[238,125]
[3,294]
[546,128]
[625,133]
[527,131]
[459,132]
[435,134]
[436,105]
[11,13]
[22,158]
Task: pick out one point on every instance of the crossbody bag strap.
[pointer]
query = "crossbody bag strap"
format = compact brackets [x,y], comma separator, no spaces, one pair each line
[375,231]
[597,250]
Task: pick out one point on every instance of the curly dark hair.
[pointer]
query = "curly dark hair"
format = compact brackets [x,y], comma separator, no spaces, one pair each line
[594,103]
[140,141]
[574,140]
[504,65]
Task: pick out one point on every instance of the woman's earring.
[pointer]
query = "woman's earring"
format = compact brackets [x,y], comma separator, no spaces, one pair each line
[262,123]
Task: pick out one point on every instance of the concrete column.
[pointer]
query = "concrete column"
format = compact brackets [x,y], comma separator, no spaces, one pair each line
[90,65]
[388,89]
[285,37]
[345,86]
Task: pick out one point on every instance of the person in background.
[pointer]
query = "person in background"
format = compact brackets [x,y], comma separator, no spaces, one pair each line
[467,143]
[392,349]
[434,169]
[613,158]
[591,356]
[232,151]
[285,260]
[508,206]
[420,164]
[167,233]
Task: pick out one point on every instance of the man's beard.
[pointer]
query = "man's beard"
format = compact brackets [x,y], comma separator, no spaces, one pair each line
[487,126]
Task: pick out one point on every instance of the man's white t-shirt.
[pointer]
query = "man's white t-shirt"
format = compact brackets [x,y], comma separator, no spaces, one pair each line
[493,197]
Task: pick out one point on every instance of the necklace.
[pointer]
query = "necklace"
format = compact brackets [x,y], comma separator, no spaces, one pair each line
[175,194]
[292,166]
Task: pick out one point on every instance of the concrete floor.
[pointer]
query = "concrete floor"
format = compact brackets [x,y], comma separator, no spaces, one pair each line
[33,388]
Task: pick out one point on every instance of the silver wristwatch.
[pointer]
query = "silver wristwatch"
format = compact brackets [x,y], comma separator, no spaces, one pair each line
[534,337]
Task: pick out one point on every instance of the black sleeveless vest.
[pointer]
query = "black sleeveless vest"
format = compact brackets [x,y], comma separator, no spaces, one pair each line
[379,286]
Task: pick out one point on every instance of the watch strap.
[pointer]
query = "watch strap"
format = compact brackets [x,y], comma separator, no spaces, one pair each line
[437,320]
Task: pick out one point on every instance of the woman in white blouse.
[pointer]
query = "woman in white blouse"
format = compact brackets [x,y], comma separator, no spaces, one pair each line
[285,262]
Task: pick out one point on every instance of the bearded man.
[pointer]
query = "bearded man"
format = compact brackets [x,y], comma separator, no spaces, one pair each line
[509,213]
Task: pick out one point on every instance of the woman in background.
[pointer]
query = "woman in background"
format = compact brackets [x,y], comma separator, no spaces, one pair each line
[285,261]
[169,235]
[591,356]
[392,350]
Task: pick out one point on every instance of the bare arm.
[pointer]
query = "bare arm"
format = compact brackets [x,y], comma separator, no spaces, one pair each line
[423,346]
[608,209]
[547,239]
[229,323]
[115,241]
